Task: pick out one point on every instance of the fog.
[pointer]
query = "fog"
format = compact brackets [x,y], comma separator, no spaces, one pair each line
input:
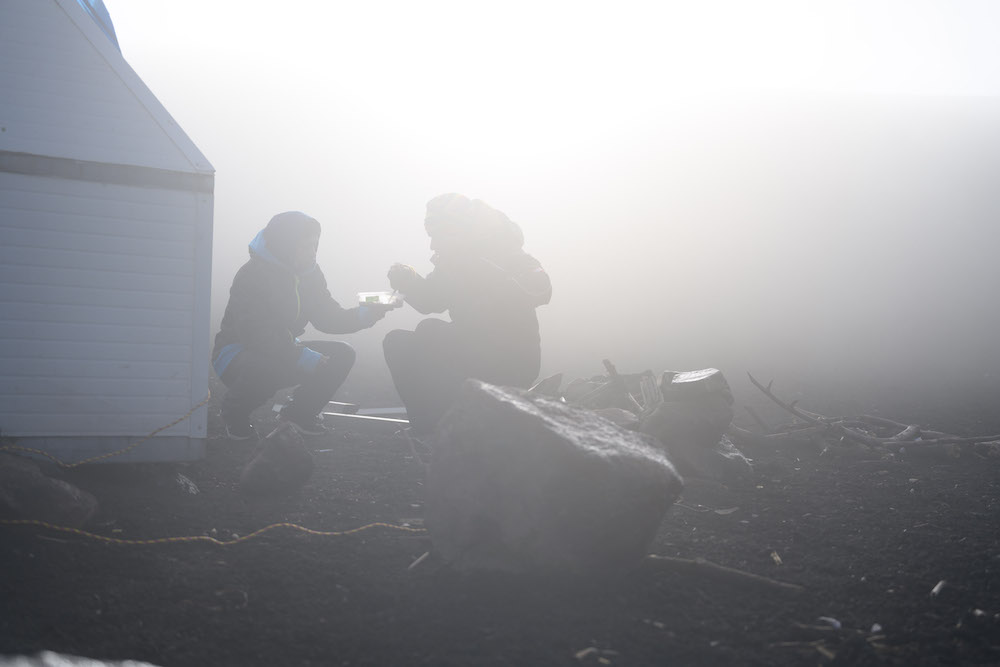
[694,206]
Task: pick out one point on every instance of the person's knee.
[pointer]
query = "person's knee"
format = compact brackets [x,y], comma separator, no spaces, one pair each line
[342,354]
[396,342]
[432,327]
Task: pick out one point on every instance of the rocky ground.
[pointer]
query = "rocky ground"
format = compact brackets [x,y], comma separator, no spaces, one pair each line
[898,557]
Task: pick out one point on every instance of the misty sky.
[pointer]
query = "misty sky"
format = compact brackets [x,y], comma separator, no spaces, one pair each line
[792,188]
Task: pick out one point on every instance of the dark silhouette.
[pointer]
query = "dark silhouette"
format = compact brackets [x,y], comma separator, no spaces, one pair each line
[257,350]
[490,288]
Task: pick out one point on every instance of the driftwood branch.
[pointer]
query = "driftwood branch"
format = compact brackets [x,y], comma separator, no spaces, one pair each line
[948,440]
[720,573]
[764,428]
[816,419]
[790,407]
[856,429]
[804,431]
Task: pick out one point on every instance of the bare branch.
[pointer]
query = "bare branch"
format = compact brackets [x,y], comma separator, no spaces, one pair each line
[882,421]
[908,434]
[951,440]
[765,429]
[790,408]
[903,434]
[857,436]
[619,381]
[804,432]
[721,573]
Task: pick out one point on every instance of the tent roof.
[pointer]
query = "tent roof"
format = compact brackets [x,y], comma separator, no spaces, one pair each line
[68,93]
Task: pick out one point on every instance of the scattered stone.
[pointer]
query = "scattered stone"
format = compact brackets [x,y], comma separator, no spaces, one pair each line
[187,484]
[691,423]
[27,493]
[578,388]
[697,409]
[609,391]
[619,416]
[281,464]
[520,482]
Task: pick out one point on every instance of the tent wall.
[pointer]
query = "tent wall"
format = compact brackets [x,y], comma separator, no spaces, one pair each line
[105,295]
[105,247]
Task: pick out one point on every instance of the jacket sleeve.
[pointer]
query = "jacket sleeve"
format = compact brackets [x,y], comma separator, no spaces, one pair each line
[322,310]
[433,294]
[516,281]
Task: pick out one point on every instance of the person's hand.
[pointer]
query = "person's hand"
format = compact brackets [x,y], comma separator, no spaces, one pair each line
[370,313]
[402,276]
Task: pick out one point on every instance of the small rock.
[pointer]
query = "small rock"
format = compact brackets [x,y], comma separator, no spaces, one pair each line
[187,484]
[27,493]
[691,423]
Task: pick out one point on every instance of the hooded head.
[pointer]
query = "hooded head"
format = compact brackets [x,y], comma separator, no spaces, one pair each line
[291,238]
[456,223]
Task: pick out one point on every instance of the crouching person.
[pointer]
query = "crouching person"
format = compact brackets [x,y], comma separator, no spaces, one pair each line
[489,287]
[257,350]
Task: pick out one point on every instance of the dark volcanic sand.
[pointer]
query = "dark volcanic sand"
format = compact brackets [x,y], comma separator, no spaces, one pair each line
[868,538]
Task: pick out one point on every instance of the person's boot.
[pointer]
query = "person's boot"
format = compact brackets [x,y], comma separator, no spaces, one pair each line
[238,427]
[306,425]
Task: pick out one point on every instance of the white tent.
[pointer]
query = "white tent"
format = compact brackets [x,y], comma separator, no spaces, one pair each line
[105,248]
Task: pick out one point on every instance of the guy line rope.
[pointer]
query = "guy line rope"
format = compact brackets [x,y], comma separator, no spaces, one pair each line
[184,538]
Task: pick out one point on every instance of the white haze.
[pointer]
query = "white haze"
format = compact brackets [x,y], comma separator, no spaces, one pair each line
[803,190]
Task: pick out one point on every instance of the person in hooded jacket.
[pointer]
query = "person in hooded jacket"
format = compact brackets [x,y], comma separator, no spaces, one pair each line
[490,288]
[257,350]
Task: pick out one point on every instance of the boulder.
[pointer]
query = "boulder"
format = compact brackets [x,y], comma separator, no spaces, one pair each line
[27,493]
[53,659]
[281,463]
[691,422]
[521,482]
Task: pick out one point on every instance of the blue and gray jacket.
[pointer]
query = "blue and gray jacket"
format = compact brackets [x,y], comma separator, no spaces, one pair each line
[270,306]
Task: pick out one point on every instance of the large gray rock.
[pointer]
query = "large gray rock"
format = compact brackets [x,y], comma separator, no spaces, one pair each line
[27,493]
[691,422]
[526,483]
[53,659]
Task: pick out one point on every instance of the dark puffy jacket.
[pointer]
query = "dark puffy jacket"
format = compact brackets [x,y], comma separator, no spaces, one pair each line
[491,297]
[269,307]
